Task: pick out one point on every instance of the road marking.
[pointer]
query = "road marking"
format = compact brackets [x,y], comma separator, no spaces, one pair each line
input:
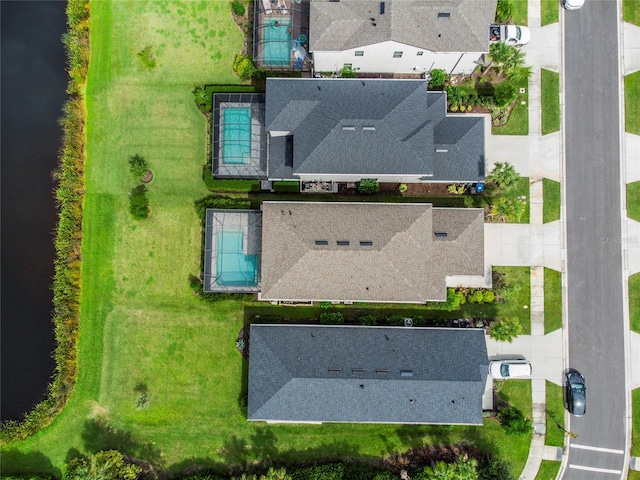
[597,449]
[593,469]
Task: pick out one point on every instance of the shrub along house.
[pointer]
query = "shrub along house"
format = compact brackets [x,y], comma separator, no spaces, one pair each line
[315,374]
[399,36]
[346,130]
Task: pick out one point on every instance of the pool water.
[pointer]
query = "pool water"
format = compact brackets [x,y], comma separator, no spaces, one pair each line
[233,267]
[236,136]
[277,43]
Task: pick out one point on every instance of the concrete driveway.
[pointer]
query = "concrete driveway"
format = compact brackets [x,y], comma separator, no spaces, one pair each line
[511,244]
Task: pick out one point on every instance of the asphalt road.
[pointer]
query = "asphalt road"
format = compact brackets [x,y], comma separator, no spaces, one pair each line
[593,222]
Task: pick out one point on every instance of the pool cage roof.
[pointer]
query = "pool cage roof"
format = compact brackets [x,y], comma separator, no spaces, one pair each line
[232,266]
[293,17]
[239,146]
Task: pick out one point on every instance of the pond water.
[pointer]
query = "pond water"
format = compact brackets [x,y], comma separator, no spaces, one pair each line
[34,81]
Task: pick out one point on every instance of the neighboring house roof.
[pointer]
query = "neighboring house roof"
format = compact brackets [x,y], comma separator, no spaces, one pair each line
[349,24]
[369,127]
[413,248]
[360,374]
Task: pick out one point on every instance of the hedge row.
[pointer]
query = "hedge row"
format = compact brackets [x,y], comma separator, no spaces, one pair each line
[69,193]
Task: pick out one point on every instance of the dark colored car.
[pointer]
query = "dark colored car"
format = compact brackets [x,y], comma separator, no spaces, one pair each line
[575,397]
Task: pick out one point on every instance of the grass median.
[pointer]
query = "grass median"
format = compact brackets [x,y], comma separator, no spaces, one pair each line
[552,300]
[550,101]
[632,102]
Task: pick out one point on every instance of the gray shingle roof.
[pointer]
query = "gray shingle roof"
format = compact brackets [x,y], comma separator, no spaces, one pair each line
[371,127]
[406,262]
[354,374]
[348,24]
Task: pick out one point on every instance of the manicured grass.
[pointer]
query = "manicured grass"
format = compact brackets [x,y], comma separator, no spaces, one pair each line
[633,475]
[635,435]
[631,11]
[551,198]
[518,123]
[633,201]
[634,302]
[632,102]
[555,415]
[517,393]
[548,470]
[550,101]
[519,16]
[518,294]
[141,325]
[549,10]
[552,300]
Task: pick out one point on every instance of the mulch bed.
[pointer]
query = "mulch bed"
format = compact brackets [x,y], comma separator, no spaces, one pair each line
[147,177]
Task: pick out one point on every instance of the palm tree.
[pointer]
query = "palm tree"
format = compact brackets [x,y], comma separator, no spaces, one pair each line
[514,60]
[499,53]
[519,74]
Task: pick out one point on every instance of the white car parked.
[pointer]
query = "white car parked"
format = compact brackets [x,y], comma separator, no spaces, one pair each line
[514,368]
[572,4]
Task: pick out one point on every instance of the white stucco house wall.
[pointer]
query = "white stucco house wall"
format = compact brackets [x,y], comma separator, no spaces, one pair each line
[399,36]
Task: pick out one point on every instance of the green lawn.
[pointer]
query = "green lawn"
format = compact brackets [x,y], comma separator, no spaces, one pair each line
[517,393]
[633,475]
[631,11]
[519,16]
[552,300]
[141,327]
[634,302]
[549,11]
[635,436]
[548,470]
[551,198]
[555,415]
[632,101]
[550,101]
[633,201]
[518,123]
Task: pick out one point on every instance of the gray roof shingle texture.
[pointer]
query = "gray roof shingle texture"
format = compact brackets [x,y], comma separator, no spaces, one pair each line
[293,374]
[405,263]
[336,26]
[371,127]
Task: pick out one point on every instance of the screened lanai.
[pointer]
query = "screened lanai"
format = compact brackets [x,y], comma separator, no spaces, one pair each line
[239,139]
[232,252]
[281,34]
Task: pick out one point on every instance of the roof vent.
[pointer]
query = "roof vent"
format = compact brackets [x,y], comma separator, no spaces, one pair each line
[369,129]
[444,14]
[382,371]
[441,150]
[366,243]
[335,371]
[381,8]
[349,128]
[406,373]
[441,234]
[322,242]
[357,371]
[343,243]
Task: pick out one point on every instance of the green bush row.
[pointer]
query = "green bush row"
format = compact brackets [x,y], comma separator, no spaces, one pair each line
[69,176]
[229,185]
[219,201]
[286,186]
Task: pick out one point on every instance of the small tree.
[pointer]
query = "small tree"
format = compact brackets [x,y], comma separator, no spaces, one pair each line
[504,11]
[504,94]
[519,74]
[368,186]
[138,166]
[504,174]
[512,420]
[505,330]
[138,202]
[347,72]
[238,8]
[438,78]
[109,464]
[488,296]
[331,318]
[244,67]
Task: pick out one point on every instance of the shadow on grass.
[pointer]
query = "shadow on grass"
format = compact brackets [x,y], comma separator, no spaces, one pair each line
[98,435]
[33,464]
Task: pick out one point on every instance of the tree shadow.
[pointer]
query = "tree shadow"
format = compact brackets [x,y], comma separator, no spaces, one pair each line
[99,435]
[15,462]
[243,396]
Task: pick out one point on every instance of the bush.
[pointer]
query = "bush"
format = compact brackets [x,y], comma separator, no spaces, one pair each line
[203,97]
[512,420]
[504,11]
[368,186]
[244,67]
[402,187]
[347,72]
[504,174]
[138,166]
[138,202]
[104,464]
[476,297]
[505,330]
[368,319]
[332,471]
[504,94]
[438,77]
[238,8]
[286,186]
[395,319]
[493,468]
[419,321]
[331,318]
[488,296]
[217,201]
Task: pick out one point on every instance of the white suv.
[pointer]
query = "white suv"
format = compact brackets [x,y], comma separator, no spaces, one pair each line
[515,368]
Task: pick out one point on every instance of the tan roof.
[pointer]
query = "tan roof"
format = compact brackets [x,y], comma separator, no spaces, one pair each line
[405,262]
[436,25]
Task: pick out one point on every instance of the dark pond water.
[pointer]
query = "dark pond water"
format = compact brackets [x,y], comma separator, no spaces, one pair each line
[33,91]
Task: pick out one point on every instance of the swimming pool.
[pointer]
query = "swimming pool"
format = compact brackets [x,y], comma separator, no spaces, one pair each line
[277,43]
[233,267]
[236,136]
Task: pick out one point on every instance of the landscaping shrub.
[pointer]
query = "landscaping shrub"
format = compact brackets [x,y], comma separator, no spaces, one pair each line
[218,201]
[138,202]
[438,77]
[347,72]
[512,420]
[505,330]
[504,10]
[332,471]
[504,93]
[238,8]
[402,187]
[331,318]
[146,57]
[419,321]
[203,97]
[368,186]
[504,174]
[105,464]
[138,166]
[395,319]
[476,297]
[286,186]
[368,319]
[493,468]
[244,67]
[488,296]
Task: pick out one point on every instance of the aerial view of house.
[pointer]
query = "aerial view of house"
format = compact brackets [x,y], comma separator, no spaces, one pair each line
[301,373]
[344,130]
